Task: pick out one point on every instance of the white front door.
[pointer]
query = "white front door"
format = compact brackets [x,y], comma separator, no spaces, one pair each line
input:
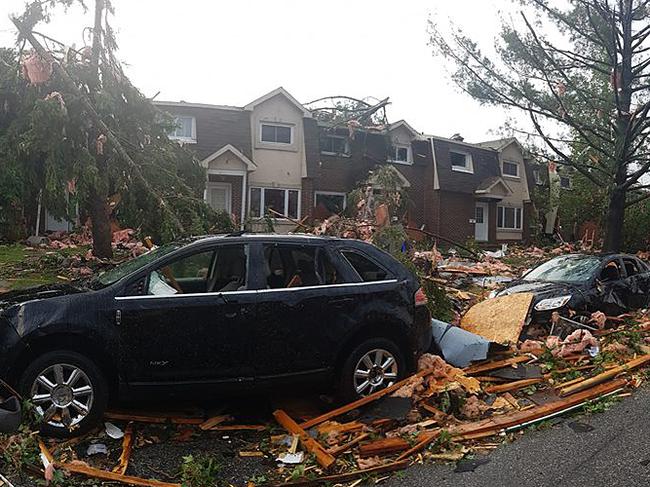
[218,196]
[481,225]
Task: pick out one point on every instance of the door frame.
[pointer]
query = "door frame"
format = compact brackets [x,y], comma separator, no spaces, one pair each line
[485,223]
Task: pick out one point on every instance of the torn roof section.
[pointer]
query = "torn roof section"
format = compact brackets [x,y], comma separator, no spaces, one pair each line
[493,187]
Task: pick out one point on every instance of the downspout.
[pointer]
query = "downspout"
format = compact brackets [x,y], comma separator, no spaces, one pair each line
[244,184]
[38,212]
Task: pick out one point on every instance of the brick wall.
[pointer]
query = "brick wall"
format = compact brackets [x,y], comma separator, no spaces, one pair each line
[455,212]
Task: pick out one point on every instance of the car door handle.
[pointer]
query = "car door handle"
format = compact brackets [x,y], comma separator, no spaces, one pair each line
[231,315]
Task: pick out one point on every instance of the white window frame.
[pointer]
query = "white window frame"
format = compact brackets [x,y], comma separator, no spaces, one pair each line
[215,185]
[342,154]
[277,124]
[393,153]
[511,176]
[187,140]
[537,176]
[285,216]
[568,178]
[501,209]
[332,193]
[469,166]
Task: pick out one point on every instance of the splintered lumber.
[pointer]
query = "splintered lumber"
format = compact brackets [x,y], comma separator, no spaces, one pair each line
[239,427]
[336,451]
[427,438]
[214,421]
[363,401]
[494,365]
[84,469]
[323,458]
[150,418]
[512,386]
[499,320]
[609,374]
[345,477]
[385,446]
[508,420]
[127,447]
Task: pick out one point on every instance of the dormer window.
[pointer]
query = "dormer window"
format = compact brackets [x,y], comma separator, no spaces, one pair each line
[185,130]
[565,182]
[401,153]
[461,162]
[510,169]
[276,134]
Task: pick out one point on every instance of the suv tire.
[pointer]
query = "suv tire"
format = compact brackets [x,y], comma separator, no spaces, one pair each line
[371,366]
[68,388]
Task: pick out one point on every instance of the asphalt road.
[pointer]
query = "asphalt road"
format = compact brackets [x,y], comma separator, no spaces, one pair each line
[616,452]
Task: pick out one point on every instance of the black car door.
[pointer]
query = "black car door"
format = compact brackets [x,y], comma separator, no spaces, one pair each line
[190,323]
[292,333]
[637,281]
[611,288]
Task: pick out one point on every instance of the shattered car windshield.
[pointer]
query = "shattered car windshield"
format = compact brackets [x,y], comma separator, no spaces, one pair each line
[568,268]
[109,277]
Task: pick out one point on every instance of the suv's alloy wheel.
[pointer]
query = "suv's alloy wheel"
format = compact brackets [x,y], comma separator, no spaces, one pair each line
[62,395]
[377,369]
[68,391]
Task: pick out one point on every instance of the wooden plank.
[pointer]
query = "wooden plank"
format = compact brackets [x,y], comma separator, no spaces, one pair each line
[239,427]
[428,437]
[385,446]
[88,471]
[609,374]
[518,417]
[363,401]
[495,424]
[153,419]
[127,448]
[495,364]
[499,320]
[336,451]
[345,477]
[210,423]
[512,386]
[323,458]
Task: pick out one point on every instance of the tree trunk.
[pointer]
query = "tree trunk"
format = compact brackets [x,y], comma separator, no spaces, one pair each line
[101,226]
[614,222]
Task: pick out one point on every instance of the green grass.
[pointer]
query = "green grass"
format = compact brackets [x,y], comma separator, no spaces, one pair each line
[22,267]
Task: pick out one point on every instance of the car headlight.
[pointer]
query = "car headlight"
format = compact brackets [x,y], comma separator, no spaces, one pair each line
[552,303]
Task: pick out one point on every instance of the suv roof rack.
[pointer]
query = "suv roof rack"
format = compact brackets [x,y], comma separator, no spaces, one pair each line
[236,234]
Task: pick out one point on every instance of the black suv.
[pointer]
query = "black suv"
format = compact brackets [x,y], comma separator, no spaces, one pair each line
[215,315]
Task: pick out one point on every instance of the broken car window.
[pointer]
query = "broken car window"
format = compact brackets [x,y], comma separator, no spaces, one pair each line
[566,268]
[185,275]
[230,269]
[631,267]
[289,266]
[366,268]
[131,266]
[611,272]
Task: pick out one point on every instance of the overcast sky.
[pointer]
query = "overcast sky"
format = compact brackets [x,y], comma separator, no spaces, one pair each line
[230,53]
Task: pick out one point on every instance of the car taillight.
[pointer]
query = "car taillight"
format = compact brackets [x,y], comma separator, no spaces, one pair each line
[420,297]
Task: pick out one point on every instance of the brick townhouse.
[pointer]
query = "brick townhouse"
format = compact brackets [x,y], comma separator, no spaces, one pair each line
[272,153]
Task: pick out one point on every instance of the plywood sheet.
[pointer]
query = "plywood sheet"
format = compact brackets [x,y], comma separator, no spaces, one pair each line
[501,319]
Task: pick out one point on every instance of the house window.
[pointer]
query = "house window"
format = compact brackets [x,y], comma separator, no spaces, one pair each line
[565,182]
[537,177]
[401,153]
[508,218]
[185,129]
[510,169]
[335,145]
[461,162]
[329,202]
[282,201]
[276,134]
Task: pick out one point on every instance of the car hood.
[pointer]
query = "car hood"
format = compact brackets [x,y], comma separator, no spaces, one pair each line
[40,292]
[541,289]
